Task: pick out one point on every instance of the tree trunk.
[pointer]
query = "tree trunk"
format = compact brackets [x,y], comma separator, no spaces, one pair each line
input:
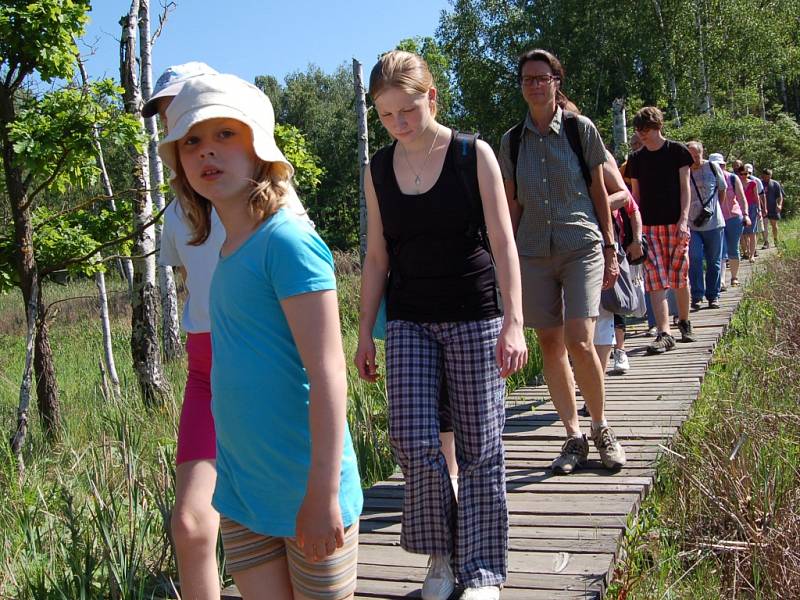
[620,126]
[363,154]
[145,350]
[705,94]
[782,91]
[28,273]
[666,50]
[18,439]
[100,277]
[170,329]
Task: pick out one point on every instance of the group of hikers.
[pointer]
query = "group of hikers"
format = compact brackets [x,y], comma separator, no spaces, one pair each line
[464,250]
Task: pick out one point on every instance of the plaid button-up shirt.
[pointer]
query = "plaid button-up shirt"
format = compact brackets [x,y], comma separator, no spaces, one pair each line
[557,212]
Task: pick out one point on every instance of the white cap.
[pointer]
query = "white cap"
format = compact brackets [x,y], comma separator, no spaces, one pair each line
[171,81]
[749,168]
[219,97]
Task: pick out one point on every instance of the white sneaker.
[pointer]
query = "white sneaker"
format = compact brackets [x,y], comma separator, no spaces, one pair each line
[651,332]
[440,581]
[489,592]
[621,364]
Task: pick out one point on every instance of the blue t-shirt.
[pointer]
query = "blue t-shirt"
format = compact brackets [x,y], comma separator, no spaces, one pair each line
[260,390]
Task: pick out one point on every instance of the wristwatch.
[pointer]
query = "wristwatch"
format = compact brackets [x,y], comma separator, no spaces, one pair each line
[609,246]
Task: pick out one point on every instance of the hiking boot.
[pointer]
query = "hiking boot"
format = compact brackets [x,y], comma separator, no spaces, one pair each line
[611,452]
[621,364]
[488,592]
[574,453]
[713,303]
[440,581]
[685,327]
[661,344]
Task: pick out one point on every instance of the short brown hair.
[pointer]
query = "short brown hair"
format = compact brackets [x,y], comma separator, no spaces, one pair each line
[766,171]
[538,54]
[648,117]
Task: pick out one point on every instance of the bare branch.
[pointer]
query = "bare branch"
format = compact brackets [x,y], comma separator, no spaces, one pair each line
[166,8]
[91,201]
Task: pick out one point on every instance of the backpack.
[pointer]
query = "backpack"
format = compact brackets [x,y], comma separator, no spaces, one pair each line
[570,122]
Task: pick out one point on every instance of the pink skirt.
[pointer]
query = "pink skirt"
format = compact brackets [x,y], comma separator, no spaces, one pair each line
[196,437]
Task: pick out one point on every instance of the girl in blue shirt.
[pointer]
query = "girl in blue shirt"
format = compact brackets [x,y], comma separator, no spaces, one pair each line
[288,488]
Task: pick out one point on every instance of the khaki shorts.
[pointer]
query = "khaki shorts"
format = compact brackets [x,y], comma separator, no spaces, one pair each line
[562,286]
[328,579]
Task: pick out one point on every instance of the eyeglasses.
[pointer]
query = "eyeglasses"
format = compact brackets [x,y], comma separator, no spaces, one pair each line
[538,80]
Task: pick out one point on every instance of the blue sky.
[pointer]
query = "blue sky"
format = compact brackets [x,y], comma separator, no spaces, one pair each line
[263,37]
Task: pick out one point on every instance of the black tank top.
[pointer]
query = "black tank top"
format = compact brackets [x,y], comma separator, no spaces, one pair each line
[439,268]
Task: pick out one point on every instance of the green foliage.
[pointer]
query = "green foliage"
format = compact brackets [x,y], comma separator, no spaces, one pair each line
[294,146]
[53,136]
[39,35]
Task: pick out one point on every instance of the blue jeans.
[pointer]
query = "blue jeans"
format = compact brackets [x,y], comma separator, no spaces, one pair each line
[733,233]
[705,245]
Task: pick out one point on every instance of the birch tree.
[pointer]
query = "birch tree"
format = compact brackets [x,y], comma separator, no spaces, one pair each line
[145,350]
[170,331]
[363,153]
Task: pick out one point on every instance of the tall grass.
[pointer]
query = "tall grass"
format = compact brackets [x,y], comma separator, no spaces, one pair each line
[724,518]
[89,519]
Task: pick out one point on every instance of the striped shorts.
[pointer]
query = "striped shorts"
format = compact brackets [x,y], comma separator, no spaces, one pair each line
[667,263]
[329,579]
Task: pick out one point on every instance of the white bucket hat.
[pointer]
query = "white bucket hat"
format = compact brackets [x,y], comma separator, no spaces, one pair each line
[219,97]
[716,157]
[171,81]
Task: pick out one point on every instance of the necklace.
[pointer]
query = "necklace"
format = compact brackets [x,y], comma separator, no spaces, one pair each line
[418,176]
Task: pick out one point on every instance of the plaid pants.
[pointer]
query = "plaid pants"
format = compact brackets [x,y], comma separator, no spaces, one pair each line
[475,529]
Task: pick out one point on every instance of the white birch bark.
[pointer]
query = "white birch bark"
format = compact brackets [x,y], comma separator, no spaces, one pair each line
[170,330]
[363,154]
[620,127]
[18,439]
[145,348]
[705,95]
[666,50]
[100,277]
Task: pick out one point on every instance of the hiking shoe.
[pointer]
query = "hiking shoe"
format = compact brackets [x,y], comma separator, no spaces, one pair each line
[488,592]
[611,452]
[661,344]
[621,364]
[440,581]
[685,328]
[574,453]
[695,304]
[713,304]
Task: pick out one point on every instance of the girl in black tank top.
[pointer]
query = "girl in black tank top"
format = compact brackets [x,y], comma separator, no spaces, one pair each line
[425,247]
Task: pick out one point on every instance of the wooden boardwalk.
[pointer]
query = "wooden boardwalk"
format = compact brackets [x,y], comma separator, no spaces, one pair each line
[565,532]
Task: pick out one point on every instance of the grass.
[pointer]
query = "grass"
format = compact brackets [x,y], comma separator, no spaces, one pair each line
[723,520]
[89,517]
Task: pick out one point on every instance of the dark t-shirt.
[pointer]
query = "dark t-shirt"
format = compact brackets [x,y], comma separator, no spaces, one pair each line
[773,191]
[659,181]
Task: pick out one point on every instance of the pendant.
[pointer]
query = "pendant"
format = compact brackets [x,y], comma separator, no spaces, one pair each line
[417,181]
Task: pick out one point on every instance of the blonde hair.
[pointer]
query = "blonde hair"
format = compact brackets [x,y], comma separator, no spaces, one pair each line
[272,187]
[404,70]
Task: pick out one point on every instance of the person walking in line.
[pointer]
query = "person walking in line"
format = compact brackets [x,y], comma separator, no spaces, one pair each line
[194,523]
[759,225]
[562,221]
[773,203]
[659,174]
[435,204]
[751,193]
[707,228]
[279,391]
[735,213]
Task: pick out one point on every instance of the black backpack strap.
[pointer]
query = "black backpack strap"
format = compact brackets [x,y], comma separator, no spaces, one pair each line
[570,121]
[465,159]
[515,139]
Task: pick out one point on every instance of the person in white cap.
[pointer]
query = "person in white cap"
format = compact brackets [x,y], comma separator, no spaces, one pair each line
[288,488]
[194,522]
